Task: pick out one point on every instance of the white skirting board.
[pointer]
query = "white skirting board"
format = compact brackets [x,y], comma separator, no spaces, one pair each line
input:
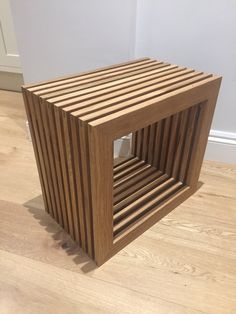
[221,147]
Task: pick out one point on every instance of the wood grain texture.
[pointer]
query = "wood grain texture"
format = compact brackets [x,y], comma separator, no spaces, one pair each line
[190,253]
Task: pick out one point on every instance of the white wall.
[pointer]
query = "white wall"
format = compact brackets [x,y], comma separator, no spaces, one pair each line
[59,37]
[199,34]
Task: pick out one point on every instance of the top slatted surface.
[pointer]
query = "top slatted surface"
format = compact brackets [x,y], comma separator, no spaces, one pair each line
[97,94]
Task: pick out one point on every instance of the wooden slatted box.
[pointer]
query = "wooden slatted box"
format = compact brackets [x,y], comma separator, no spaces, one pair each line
[74,121]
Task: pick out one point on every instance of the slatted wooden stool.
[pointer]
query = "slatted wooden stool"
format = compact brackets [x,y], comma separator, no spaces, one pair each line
[74,121]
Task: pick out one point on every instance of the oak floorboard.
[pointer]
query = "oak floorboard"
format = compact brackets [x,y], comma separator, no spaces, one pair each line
[186,263]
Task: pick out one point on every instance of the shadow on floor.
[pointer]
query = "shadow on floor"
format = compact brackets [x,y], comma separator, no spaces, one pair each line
[199,185]
[62,239]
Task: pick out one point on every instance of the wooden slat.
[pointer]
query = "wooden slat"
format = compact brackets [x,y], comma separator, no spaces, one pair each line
[140,174]
[118,161]
[133,92]
[93,77]
[134,107]
[102,89]
[78,181]
[152,134]
[189,138]
[133,143]
[102,84]
[85,157]
[118,197]
[148,94]
[145,140]
[89,96]
[180,141]
[71,174]
[138,147]
[165,143]
[58,165]
[42,140]
[128,170]
[172,143]
[65,79]
[150,217]
[158,144]
[40,166]
[51,158]
[141,210]
[125,164]
[138,191]
[135,205]
[65,175]
[99,80]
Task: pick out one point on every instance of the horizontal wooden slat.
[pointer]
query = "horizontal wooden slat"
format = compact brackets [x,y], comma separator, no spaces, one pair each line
[124,165]
[96,76]
[146,100]
[118,161]
[68,95]
[106,88]
[129,217]
[158,210]
[96,80]
[138,190]
[61,80]
[118,197]
[93,104]
[128,170]
[133,178]
[147,94]
[133,174]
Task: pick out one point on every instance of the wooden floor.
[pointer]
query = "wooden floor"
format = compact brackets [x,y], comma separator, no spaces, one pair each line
[186,263]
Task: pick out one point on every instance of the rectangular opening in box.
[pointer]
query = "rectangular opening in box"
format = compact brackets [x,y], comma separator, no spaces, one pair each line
[152,167]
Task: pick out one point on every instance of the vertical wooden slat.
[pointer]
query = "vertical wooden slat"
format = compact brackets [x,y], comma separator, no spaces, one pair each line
[85,158]
[41,146]
[54,138]
[152,133]
[40,165]
[78,180]
[139,143]
[172,142]
[71,172]
[51,159]
[165,140]
[133,143]
[47,156]
[61,144]
[101,185]
[158,144]
[145,140]
[191,128]
[201,136]
[179,143]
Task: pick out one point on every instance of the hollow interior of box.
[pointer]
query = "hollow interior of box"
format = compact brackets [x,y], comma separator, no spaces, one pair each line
[151,166]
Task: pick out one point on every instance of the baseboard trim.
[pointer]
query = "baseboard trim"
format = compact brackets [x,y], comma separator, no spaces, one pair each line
[11,81]
[221,146]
